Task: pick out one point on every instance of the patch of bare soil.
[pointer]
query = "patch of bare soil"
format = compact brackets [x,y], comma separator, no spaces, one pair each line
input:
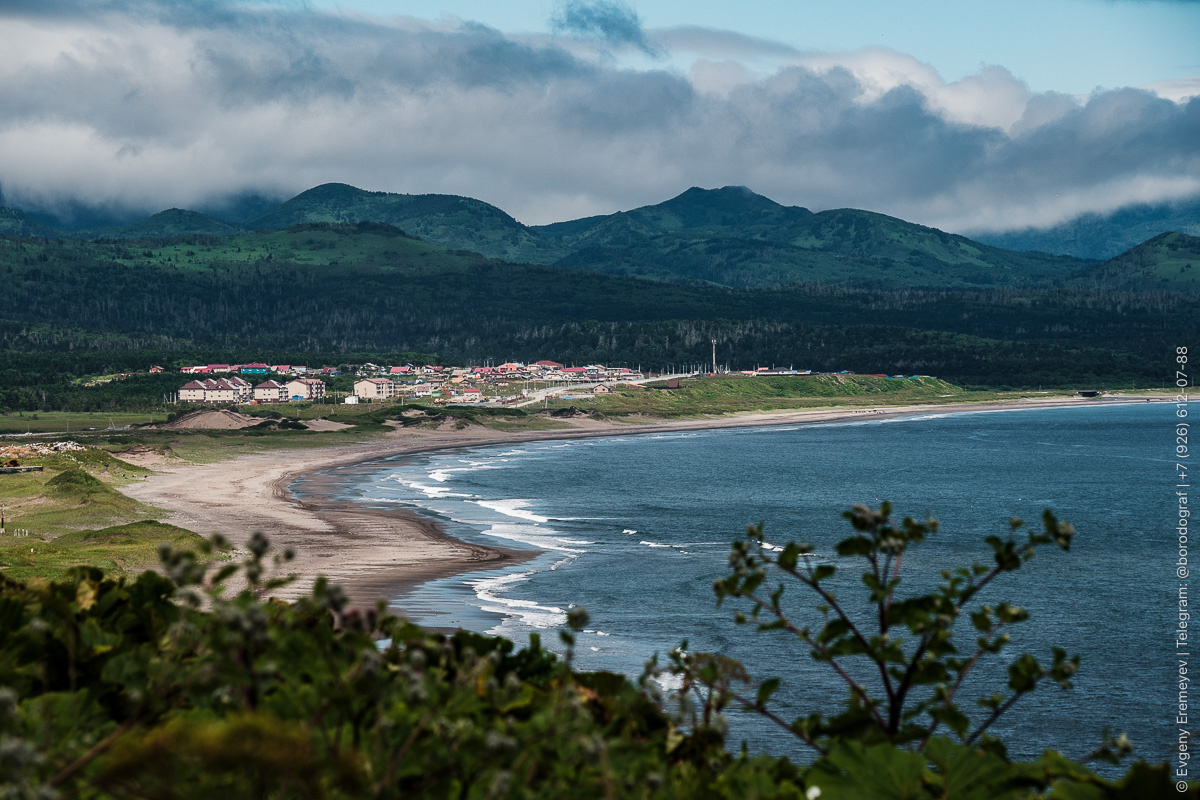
[325,425]
[224,420]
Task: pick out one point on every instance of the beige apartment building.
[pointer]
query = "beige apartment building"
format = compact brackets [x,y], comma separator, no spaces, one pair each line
[305,389]
[374,389]
[270,392]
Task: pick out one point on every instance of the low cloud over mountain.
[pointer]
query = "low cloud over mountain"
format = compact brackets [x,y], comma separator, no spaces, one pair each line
[154,103]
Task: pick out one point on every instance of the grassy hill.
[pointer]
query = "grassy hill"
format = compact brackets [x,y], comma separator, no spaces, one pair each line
[739,393]
[456,223]
[734,237]
[172,222]
[1169,260]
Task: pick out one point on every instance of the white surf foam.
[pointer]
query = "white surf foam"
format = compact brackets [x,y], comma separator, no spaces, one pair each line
[669,682]
[432,492]
[512,508]
[488,590]
[443,474]
[530,535]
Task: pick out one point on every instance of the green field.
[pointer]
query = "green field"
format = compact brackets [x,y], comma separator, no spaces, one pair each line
[738,393]
[118,550]
[71,514]
[72,422]
[729,394]
[75,490]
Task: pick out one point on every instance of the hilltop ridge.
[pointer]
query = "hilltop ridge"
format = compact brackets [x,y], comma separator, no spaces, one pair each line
[454,222]
[728,236]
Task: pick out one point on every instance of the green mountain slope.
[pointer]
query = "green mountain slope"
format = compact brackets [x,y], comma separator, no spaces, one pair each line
[172,222]
[1168,261]
[726,237]
[14,222]
[1103,235]
[734,237]
[457,223]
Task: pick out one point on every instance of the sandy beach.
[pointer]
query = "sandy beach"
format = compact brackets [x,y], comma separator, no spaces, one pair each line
[376,553]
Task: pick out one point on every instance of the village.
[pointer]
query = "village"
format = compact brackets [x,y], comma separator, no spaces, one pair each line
[510,382]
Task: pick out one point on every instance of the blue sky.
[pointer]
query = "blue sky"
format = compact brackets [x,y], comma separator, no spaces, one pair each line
[1072,46]
[967,116]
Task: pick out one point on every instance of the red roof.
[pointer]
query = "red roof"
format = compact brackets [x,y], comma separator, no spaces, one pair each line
[575,369]
[472,391]
[193,385]
[544,363]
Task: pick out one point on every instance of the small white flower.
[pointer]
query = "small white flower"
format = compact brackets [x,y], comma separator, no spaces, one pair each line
[813,792]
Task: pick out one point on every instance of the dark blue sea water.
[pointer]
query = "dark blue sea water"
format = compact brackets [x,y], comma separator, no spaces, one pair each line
[635,528]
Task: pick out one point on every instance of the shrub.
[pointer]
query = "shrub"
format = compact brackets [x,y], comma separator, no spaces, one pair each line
[174,685]
[902,667]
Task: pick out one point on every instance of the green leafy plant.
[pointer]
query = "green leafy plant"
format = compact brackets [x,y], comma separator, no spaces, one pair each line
[902,667]
[192,683]
[183,685]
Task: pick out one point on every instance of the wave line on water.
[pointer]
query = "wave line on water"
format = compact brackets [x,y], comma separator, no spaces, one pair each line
[487,590]
[512,508]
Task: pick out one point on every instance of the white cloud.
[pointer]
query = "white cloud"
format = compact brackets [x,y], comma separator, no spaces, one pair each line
[187,105]
[1179,91]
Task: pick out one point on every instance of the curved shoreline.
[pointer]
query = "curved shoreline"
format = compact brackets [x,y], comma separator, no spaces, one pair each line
[377,553]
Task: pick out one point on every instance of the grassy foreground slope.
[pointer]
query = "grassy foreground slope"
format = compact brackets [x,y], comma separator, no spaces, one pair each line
[71,515]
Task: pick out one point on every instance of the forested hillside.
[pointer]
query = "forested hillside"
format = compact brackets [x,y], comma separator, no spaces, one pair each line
[734,237]
[370,288]
[725,237]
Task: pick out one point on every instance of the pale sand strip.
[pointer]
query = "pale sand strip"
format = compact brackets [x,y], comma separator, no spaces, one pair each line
[377,553]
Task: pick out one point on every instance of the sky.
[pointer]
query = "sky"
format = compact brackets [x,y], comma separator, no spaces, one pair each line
[970,116]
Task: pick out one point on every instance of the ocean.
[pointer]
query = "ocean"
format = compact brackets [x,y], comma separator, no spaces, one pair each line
[636,528]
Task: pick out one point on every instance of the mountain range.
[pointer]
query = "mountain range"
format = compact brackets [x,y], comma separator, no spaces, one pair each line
[725,237]
[1103,236]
